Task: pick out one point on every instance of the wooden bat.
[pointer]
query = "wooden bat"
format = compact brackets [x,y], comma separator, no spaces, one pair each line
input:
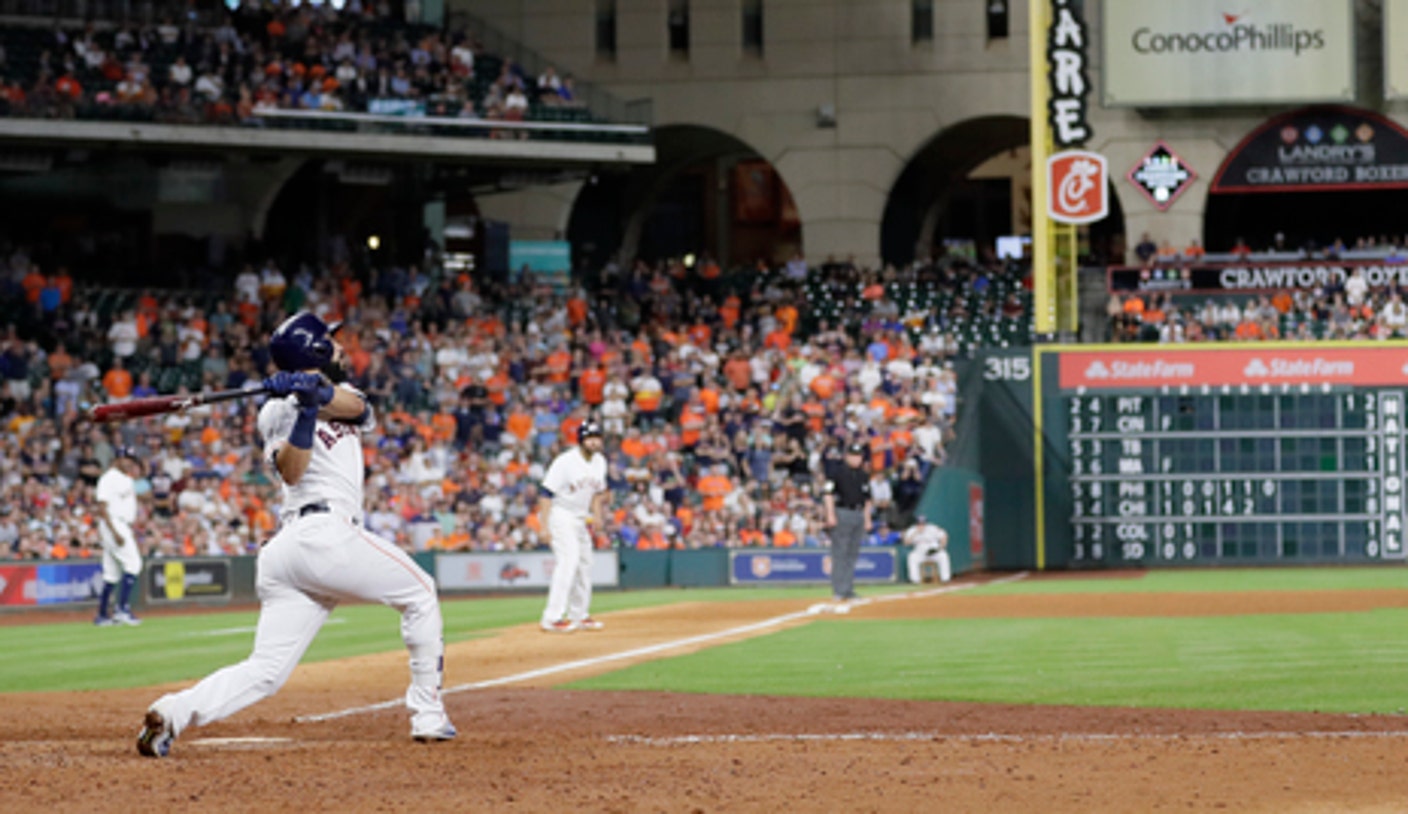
[160,405]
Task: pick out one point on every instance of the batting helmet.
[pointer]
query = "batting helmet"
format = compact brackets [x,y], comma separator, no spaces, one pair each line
[302,342]
[589,429]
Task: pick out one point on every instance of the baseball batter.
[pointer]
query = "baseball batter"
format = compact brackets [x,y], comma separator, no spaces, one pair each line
[321,554]
[575,499]
[116,496]
[930,545]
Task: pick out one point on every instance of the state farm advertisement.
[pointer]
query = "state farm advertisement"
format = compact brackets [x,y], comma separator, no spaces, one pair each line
[1253,366]
[1215,52]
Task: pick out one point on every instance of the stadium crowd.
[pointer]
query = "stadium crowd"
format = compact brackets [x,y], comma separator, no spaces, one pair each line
[263,57]
[724,396]
[1341,308]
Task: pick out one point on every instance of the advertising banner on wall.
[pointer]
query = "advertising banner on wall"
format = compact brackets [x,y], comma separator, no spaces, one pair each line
[1252,366]
[173,580]
[503,570]
[1316,150]
[1210,52]
[50,583]
[1252,277]
[806,566]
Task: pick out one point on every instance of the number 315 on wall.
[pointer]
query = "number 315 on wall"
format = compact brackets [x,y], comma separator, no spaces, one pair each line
[1007,368]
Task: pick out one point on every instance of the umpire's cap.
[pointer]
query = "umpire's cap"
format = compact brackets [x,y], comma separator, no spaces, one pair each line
[589,429]
[302,342]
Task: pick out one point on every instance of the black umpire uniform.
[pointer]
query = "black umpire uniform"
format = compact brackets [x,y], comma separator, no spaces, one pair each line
[847,503]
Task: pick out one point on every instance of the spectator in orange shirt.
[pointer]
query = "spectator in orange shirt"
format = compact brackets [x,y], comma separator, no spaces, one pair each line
[118,381]
[713,488]
[592,385]
[519,423]
[33,283]
[738,371]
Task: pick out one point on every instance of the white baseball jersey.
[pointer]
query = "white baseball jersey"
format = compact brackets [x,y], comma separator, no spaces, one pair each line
[574,481]
[119,493]
[926,537]
[335,469]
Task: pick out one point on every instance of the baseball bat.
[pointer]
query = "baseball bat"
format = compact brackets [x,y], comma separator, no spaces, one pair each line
[160,405]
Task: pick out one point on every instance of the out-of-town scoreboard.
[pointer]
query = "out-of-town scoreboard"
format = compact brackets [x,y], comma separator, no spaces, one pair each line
[1226,455]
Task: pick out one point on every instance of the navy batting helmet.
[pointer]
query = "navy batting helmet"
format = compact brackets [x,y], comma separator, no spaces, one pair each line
[589,429]
[302,342]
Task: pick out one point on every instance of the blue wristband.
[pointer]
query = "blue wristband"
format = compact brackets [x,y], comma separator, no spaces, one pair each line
[302,435]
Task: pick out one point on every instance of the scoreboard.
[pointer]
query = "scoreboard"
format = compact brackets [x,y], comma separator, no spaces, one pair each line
[1224,455]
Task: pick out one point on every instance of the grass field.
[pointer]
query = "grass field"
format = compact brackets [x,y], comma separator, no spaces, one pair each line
[1334,662]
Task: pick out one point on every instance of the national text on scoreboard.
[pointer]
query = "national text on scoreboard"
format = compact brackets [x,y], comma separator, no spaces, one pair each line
[1229,456]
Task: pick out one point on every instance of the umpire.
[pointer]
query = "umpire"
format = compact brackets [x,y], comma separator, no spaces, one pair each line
[847,504]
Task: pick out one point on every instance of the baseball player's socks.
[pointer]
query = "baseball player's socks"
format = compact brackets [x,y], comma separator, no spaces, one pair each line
[104,598]
[124,594]
[156,736]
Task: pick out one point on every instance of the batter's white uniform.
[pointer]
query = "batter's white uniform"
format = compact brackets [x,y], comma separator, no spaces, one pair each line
[573,481]
[322,555]
[118,493]
[930,545]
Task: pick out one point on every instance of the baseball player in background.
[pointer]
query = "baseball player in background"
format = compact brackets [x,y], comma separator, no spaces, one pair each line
[930,545]
[321,554]
[116,511]
[574,503]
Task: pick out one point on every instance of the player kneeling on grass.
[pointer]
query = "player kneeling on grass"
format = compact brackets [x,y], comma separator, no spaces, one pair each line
[574,501]
[321,554]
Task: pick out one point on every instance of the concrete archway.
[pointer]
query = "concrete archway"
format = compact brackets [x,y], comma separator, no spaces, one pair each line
[687,202]
[935,178]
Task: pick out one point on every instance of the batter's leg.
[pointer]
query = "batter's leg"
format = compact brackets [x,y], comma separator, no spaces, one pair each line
[288,621]
[378,570]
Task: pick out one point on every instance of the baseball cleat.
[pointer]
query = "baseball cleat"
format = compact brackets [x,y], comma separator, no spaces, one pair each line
[104,621]
[590,624]
[156,736]
[560,626]
[444,732]
[126,618]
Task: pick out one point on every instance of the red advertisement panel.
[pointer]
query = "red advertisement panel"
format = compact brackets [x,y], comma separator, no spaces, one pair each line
[1253,366]
[975,520]
[17,585]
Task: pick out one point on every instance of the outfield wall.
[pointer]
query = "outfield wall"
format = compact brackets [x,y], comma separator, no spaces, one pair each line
[29,585]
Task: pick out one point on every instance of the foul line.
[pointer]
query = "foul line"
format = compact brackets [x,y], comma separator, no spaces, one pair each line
[651,650]
[989,737]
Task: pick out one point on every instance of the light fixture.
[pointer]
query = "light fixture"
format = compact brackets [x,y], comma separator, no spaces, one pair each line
[374,242]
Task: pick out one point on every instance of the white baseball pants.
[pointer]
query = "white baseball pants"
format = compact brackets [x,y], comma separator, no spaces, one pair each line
[570,593]
[918,557]
[120,554]
[310,565]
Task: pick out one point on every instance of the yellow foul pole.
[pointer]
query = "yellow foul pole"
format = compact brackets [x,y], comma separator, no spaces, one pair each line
[1044,291]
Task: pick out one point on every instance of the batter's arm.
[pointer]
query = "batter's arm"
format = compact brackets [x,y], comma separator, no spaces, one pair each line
[292,463]
[346,405]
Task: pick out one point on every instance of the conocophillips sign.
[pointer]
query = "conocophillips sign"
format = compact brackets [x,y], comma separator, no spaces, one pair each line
[1220,52]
